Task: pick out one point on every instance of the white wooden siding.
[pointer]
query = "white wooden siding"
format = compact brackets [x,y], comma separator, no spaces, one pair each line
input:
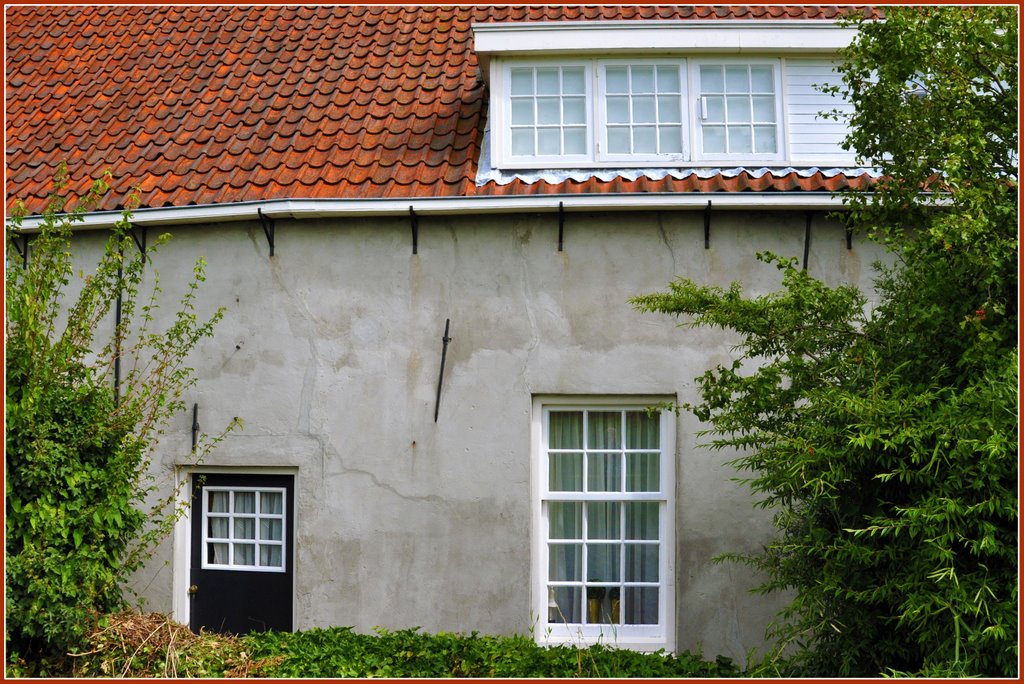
[813,139]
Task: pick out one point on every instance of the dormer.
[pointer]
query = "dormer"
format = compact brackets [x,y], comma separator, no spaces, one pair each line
[661,94]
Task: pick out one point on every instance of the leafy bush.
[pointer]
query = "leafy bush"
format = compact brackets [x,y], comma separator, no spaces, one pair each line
[340,652]
[133,645]
[77,450]
[886,439]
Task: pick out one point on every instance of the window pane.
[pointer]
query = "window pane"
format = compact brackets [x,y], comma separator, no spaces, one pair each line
[575,140]
[603,520]
[217,554]
[603,562]
[566,608]
[565,473]
[270,556]
[270,502]
[271,529]
[668,79]
[522,112]
[714,139]
[669,109]
[245,554]
[642,472]
[618,140]
[715,108]
[616,79]
[549,141]
[761,80]
[643,79]
[245,502]
[572,81]
[645,139]
[564,562]
[218,528]
[522,81]
[618,110]
[641,562]
[522,141]
[738,108]
[565,520]
[603,430]
[736,79]
[548,81]
[642,520]
[217,502]
[640,606]
[599,608]
[670,139]
[566,428]
[549,110]
[604,472]
[739,139]
[574,110]
[764,139]
[643,110]
[642,430]
[764,108]
[711,79]
[245,528]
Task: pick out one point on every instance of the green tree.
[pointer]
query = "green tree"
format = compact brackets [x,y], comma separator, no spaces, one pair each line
[82,509]
[885,441]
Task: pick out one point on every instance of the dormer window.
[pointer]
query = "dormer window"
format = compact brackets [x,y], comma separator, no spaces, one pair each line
[615,112]
[662,94]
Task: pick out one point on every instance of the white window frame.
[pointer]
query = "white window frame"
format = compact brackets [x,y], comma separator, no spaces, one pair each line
[780,112]
[597,155]
[505,116]
[637,637]
[256,516]
[601,105]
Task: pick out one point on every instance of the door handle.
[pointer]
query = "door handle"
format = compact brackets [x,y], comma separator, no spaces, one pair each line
[192,590]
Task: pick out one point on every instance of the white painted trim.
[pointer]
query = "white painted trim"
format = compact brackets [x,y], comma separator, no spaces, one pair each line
[538,564]
[647,37]
[444,206]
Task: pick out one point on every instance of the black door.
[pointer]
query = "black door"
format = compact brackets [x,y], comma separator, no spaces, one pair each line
[243,555]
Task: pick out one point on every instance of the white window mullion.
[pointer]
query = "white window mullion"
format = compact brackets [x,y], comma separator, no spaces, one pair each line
[611,549]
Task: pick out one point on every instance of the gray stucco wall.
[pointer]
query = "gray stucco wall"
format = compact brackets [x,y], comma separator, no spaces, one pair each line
[329,352]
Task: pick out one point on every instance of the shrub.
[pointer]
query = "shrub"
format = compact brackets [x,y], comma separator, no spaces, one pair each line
[77,449]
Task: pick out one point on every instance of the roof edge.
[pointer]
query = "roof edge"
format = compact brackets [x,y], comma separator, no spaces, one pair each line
[341,208]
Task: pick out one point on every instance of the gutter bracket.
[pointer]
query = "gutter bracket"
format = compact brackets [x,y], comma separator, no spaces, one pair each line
[707,226]
[22,249]
[141,244]
[268,228]
[561,224]
[415,222]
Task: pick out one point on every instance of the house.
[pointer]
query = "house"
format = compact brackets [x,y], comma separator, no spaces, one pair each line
[425,223]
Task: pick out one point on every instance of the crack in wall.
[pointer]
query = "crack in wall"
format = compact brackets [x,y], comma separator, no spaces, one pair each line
[668,245]
[524,283]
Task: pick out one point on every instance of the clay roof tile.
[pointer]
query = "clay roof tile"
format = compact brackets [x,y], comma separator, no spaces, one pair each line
[230,103]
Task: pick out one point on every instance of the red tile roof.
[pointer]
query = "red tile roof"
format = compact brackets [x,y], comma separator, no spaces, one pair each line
[210,105]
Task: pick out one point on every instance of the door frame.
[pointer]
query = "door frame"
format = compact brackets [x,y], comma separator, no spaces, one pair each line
[182,536]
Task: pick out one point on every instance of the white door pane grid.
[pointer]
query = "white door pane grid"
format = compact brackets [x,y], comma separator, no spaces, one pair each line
[605,522]
[243,528]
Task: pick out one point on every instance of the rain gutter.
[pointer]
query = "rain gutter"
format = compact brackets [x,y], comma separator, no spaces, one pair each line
[451,206]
